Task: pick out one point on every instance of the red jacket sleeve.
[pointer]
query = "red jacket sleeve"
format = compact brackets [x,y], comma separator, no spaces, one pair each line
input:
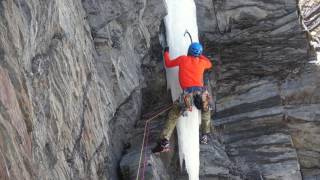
[207,64]
[170,63]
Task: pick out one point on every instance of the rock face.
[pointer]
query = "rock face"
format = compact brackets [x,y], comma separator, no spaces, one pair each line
[71,79]
[310,11]
[310,17]
[267,92]
[75,77]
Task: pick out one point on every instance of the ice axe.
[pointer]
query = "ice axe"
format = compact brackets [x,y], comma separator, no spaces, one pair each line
[187,32]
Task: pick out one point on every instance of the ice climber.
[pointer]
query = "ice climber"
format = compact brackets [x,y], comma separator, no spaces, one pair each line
[191,71]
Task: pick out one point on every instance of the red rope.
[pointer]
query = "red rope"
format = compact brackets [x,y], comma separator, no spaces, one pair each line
[144,145]
[153,113]
[145,152]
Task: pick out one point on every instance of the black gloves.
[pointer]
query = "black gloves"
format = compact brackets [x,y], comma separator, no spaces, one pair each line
[166,49]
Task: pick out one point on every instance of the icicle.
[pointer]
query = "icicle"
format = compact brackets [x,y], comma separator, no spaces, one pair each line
[181,17]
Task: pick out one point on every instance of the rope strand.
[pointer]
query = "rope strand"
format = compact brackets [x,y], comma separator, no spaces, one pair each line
[145,151]
[145,142]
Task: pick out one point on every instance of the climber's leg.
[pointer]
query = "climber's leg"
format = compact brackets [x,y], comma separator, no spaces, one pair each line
[206,122]
[171,122]
[163,143]
[205,118]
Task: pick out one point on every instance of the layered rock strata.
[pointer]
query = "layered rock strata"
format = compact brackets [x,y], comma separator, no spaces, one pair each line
[71,79]
[267,92]
[76,76]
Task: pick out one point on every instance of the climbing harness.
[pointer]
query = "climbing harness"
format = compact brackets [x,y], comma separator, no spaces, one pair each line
[145,140]
[198,96]
[206,99]
[185,102]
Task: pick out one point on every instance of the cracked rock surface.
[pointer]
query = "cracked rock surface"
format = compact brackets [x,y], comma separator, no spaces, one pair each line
[76,77]
[266,92]
[71,79]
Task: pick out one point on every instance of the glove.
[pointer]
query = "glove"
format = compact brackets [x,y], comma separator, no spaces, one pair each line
[166,49]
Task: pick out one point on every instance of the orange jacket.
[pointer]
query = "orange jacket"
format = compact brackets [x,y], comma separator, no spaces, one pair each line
[191,69]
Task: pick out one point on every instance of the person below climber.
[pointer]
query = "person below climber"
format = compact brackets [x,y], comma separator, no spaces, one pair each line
[191,71]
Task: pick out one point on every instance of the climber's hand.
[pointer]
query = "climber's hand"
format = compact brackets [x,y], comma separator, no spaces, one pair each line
[166,49]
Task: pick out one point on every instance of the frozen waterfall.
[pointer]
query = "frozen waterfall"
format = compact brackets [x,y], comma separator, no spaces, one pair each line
[181,17]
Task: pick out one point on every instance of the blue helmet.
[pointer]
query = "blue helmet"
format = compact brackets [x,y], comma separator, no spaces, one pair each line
[195,49]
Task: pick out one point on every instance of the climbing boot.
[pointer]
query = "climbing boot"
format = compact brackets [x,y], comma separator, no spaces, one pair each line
[162,146]
[204,139]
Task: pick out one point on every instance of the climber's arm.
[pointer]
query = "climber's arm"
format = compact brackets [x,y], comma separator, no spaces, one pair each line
[207,61]
[170,63]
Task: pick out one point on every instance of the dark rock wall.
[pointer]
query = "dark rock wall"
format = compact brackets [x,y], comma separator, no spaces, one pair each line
[267,96]
[71,79]
[267,92]
[75,76]
[310,10]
